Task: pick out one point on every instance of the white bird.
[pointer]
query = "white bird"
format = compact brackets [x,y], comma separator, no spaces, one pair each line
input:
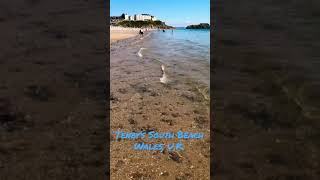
[164,78]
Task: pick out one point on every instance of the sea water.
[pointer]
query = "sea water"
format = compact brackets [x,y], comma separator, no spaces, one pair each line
[186,52]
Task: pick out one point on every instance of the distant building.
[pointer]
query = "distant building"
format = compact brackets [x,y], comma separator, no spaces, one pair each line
[144,17]
[126,17]
[136,17]
[153,18]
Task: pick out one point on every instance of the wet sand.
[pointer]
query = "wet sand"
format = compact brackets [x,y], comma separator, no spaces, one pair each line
[265,83]
[140,102]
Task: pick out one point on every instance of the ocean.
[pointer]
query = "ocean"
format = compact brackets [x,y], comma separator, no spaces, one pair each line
[186,52]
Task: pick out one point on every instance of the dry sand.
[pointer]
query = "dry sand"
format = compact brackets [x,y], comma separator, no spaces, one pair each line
[116,36]
[122,33]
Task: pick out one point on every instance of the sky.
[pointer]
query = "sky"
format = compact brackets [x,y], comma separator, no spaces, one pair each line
[178,13]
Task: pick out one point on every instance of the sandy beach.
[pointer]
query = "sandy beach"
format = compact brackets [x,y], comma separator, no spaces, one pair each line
[140,102]
[120,33]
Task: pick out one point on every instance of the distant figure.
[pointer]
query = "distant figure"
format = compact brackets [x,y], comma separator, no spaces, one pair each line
[163,30]
[140,32]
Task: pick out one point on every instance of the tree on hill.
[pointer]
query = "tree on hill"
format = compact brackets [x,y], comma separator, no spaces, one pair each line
[199,26]
[141,24]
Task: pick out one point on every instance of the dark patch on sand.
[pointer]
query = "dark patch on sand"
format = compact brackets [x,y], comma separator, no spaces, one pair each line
[191,97]
[147,128]
[113,98]
[141,88]
[132,121]
[200,121]
[123,90]
[167,120]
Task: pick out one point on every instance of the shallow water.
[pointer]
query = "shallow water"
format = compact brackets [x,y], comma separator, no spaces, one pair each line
[185,52]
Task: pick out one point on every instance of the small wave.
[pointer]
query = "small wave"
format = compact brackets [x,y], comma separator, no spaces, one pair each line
[139,52]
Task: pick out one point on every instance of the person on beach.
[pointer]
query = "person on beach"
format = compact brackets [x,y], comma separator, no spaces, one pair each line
[140,32]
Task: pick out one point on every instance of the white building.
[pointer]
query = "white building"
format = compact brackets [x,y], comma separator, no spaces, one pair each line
[142,17]
[126,17]
[146,17]
[138,17]
[153,18]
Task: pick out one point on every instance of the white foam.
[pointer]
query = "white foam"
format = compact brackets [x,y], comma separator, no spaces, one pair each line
[164,78]
[139,52]
[162,67]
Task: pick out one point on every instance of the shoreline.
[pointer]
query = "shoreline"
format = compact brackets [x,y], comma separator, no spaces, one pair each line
[198,87]
[139,102]
[121,33]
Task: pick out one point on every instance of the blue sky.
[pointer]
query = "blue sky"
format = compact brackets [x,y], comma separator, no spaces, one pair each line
[174,12]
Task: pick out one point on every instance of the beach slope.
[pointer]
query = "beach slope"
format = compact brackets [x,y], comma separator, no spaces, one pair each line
[120,33]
